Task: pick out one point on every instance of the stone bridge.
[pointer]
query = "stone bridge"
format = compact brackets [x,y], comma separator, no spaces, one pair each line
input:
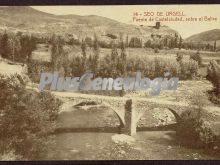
[128,109]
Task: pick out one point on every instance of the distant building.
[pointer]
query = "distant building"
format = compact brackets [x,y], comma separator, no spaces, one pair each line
[157,25]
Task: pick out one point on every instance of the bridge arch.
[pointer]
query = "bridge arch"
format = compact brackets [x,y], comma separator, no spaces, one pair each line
[117,110]
[173,112]
[129,111]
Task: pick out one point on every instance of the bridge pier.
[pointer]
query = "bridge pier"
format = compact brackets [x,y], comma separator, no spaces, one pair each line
[130,119]
[129,111]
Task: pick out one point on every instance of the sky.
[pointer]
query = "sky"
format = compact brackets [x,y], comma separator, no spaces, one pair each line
[124,13]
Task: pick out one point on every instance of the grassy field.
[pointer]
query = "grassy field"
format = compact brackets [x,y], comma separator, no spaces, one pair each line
[167,54]
[141,53]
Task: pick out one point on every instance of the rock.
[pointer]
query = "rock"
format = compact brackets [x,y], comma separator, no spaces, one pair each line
[163,116]
[215,147]
[121,138]
[137,148]
[122,152]
[88,145]
[169,147]
[196,156]
[74,151]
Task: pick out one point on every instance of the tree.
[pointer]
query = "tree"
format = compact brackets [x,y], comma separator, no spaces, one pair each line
[166,42]
[114,61]
[114,53]
[127,44]
[176,40]
[122,60]
[196,57]
[28,118]
[135,42]
[96,51]
[93,60]
[57,53]
[84,57]
[215,45]
[208,46]
[88,41]
[161,45]
[179,57]
[123,52]
[16,47]
[213,75]
[148,44]
[28,44]
[5,49]
[180,42]
[77,67]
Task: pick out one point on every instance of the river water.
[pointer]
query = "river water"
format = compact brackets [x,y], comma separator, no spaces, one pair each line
[83,134]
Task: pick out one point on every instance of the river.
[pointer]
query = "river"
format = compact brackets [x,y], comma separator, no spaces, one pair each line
[84,134]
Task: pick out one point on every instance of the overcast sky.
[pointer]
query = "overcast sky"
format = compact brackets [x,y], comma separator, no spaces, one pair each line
[125,14]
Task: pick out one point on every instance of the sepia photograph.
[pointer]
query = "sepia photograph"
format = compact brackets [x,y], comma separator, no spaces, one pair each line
[110,82]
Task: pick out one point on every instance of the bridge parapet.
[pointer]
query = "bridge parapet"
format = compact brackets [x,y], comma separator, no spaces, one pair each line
[130,110]
[139,106]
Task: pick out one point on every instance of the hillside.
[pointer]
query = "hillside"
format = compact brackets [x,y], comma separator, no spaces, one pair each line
[206,37]
[29,20]
[210,35]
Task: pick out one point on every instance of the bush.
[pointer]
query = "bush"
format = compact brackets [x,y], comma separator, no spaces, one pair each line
[10,156]
[156,50]
[112,36]
[147,44]
[196,57]
[35,68]
[135,42]
[89,41]
[73,41]
[179,57]
[213,97]
[189,69]
[194,130]
[213,75]
[105,44]
[157,67]
[27,118]
[149,67]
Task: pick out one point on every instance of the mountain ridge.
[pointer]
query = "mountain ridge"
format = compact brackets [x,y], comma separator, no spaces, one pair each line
[209,35]
[31,20]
